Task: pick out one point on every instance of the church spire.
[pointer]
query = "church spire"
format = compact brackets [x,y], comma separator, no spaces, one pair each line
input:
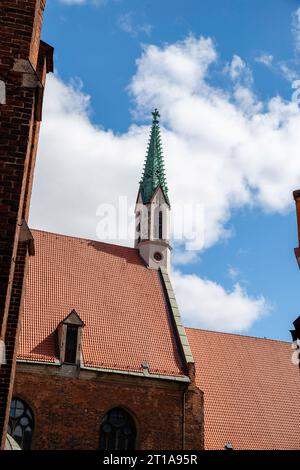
[152,211]
[154,171]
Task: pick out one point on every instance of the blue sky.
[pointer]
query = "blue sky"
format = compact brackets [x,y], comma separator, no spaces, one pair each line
[105,70]
[90,42]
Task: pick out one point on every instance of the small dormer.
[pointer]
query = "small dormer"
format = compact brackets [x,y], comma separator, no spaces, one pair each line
[69,339]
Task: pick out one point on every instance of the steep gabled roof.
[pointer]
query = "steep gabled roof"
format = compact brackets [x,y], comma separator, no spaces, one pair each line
[120,301]
[251,390]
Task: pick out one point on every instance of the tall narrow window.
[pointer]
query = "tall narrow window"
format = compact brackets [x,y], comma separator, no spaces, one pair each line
[138,226]
[138,229]
[160,225]
[118,431]
[21,423]
[71,344]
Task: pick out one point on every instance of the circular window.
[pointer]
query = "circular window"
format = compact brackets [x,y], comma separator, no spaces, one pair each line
[157,256]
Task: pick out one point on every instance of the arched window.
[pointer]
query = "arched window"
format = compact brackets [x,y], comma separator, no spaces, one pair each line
[118,431]
[21,422]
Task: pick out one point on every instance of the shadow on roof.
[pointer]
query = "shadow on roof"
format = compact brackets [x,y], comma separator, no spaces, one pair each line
[130,255]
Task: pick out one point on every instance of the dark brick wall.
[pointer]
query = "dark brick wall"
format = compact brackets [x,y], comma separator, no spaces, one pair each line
[297,201]
[194,418]
[68,410]
[22,69]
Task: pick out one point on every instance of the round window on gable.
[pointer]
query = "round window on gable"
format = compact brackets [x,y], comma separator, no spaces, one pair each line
[157,256]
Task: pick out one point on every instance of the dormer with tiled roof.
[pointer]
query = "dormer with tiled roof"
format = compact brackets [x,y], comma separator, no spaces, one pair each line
[69,332]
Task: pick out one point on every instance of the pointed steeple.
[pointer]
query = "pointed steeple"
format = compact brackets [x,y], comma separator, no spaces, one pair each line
[154,171]
[152,210]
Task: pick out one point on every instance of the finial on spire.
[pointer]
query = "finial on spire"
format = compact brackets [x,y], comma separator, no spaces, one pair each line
[155,115]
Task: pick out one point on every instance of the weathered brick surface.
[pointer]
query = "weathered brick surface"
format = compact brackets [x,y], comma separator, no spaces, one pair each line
[297,201]
[22,69]
[194,418]
[68,411]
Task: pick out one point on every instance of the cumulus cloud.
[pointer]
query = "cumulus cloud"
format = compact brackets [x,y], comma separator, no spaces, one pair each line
[206,304]
[247,150]
[223,150]
[80,165]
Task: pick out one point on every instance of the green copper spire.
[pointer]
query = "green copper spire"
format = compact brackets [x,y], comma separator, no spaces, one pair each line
[154,172]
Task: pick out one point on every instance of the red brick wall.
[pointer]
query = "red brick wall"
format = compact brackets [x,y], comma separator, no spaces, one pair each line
[20,26]
[297,201]
[68,411]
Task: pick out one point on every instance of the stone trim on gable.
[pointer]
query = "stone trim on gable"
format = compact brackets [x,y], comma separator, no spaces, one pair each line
[180,330]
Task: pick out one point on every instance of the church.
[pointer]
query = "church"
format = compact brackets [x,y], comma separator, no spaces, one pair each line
[105,362]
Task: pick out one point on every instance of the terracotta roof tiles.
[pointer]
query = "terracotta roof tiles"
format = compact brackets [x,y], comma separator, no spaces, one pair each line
[251,390]
[251,387]
[119,299]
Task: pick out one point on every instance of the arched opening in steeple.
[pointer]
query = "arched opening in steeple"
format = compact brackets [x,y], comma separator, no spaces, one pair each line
[160,225]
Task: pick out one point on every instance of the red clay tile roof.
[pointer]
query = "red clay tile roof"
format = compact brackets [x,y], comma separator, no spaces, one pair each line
[251,391]
[119,299]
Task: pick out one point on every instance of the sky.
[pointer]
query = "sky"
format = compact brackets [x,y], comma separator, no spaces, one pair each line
[223,74]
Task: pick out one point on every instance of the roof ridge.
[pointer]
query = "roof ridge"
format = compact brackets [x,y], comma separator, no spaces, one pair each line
[82,238]
[237,334]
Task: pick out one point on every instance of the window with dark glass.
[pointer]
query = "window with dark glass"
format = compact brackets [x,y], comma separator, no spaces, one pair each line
[160,225]
[139,232]
[21,423]
[71,344]
[118,431]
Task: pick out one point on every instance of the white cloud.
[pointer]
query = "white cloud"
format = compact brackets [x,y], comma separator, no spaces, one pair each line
[288,72]
[82,2]
[236,67]
[80,165]
[184,257]
[296,29]
[289,69]
[127,24]
[73,2]
[223,150]
[206,304]
[265,59]
[229,150]
[233,272]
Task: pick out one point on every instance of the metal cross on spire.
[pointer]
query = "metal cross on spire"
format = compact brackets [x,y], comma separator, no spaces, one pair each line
[155,115]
